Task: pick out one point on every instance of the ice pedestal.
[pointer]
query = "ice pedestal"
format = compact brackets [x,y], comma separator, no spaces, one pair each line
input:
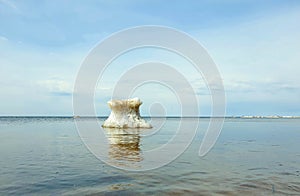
[125,114]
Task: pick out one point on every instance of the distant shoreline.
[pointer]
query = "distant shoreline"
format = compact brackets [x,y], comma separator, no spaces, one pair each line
[228,117]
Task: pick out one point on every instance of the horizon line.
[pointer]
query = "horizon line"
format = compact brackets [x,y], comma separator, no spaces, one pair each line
[170,116]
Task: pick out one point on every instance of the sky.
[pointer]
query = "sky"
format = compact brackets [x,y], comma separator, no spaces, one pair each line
[255,44]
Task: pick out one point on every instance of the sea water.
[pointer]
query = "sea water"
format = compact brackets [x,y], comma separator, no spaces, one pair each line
[45,156]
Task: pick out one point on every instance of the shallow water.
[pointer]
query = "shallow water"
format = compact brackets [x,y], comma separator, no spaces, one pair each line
[251,157]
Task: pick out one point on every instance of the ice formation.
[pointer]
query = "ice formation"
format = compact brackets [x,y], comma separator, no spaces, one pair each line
[125,114]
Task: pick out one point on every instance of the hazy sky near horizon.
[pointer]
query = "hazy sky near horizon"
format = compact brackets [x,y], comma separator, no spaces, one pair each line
[256,45]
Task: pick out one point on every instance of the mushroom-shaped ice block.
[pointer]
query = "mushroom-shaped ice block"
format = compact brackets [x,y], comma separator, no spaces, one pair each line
[125,114]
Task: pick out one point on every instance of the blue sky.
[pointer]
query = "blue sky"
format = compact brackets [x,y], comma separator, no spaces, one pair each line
[254,43]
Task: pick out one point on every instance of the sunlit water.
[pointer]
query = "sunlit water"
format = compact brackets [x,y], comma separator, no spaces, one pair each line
[252,156]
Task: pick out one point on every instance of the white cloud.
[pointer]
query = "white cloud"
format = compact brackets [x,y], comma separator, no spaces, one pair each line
[54,86]
[258,59]
[10,4]
[2,38]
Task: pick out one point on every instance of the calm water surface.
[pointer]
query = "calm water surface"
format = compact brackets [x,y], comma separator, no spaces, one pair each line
[45,156]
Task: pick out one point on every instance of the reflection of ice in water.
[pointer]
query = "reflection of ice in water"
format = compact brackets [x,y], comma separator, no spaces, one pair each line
[124,147]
